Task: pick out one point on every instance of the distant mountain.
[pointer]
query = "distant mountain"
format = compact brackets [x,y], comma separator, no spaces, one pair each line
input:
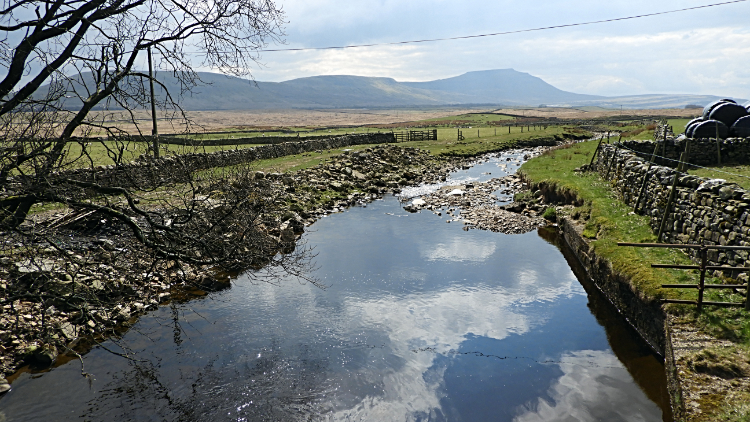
[505,87]
[654,101]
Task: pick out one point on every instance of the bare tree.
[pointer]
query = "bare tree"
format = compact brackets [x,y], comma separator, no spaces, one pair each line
[72,67]
[55,52]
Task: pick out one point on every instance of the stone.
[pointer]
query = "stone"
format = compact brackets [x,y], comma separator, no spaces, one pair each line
[45,356]
[725,192]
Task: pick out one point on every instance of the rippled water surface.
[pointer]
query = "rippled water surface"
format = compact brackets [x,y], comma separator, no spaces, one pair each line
[420,321]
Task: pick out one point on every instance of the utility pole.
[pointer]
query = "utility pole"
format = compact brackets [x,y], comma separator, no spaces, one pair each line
[154,129]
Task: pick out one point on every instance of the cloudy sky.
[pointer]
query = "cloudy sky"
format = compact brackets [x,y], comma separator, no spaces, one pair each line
[703,51]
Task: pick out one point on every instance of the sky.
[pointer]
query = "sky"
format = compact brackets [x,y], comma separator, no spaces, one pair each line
[703,51]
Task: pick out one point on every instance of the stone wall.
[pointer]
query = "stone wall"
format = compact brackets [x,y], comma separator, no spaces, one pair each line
[176,140]
[703,152]
[710,212]
[175,168]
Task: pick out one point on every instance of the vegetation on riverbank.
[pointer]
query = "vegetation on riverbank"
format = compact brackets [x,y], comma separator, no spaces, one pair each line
[608,221]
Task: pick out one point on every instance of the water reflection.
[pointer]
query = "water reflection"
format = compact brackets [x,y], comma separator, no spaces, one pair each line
[421,321]
[594,387]
[458,249]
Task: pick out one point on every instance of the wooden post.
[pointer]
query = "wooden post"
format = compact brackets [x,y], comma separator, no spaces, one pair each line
[599,145]
[478,134]
[609,167]
[667,209]
[718,145]
[508,129]
[645,178]
[702,283]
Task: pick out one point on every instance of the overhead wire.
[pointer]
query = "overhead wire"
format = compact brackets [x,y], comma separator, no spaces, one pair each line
[543,28]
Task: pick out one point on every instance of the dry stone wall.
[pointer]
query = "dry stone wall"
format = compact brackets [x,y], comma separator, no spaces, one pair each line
[173,169]
[704,211]
[175,140]
[703,152]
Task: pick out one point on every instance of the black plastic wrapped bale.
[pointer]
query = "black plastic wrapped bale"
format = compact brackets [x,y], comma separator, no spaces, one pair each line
[691,124]
[707,129]
[747,106]
[741,128]
[709,108]
[689,131]
[728,113]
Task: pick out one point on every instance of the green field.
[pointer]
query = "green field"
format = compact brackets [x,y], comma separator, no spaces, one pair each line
[475,118]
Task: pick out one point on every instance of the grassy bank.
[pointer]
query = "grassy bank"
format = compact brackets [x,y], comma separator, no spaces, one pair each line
[608,221]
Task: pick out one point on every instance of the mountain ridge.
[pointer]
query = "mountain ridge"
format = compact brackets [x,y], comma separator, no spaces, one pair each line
[501,87]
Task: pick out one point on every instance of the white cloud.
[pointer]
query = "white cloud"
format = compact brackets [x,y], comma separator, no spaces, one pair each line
[441,321]
[594,387]
[699,52]
[460,249]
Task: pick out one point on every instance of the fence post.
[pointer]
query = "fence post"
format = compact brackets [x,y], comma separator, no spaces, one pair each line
[664,218]
[508,129]
[645,178]
[591,164]
[702,284]
[718,145]
[609,167]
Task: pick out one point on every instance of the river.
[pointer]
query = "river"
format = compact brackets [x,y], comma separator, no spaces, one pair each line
[420,321]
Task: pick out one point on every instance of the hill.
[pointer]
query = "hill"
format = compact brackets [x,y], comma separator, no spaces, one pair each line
[505,87]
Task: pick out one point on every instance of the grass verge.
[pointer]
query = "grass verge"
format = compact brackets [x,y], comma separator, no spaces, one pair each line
[608,221]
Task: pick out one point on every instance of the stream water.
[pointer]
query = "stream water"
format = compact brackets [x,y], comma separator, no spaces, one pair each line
[420,321]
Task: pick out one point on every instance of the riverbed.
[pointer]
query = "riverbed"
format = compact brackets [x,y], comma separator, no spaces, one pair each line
[420,320]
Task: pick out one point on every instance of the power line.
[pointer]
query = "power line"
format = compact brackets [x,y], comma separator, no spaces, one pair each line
[544,28]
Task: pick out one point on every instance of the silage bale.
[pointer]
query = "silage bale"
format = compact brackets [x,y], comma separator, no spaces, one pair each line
[711,106]
[691,125]
[741,128]
[707,129]
[728,113]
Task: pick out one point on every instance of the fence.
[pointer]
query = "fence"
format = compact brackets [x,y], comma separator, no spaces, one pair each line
[702,267]
[416,135]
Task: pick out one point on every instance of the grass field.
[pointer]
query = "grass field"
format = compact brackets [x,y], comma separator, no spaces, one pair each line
[478,138]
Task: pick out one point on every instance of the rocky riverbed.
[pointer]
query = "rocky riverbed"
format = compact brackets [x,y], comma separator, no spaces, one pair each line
[121,281]
[476,205]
